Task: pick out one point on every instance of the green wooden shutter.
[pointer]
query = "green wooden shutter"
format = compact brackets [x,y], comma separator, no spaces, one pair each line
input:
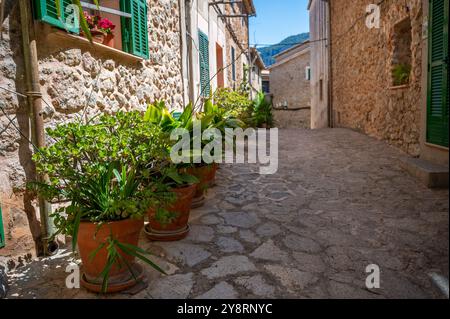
[438,75]
[135,30]
[45,10]
[204,63]
[2,231]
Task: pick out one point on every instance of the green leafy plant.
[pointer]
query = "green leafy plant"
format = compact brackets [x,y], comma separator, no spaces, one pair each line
[262,112]
[401,74]
[235,103]
[107,171]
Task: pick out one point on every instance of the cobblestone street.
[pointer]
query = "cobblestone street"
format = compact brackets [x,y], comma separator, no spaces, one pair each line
[339,202]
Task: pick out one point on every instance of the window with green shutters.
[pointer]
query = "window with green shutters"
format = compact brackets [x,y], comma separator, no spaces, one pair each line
[135,30]
[438,75]
[204,63]
[46,11]
[2,231]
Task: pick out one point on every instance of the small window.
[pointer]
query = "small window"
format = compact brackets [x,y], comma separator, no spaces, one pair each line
[127,18]
[402,54]
[233,64]
[308,73]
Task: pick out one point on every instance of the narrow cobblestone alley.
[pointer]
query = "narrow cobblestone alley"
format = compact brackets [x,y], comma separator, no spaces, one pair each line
[339,202]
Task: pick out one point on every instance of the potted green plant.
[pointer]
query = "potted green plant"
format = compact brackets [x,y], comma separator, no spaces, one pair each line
[169,219]
[401,74]
[262,112]
[212,117]
[100,170]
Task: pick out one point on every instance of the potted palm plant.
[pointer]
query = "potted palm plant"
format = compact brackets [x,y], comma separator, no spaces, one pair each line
[99,170]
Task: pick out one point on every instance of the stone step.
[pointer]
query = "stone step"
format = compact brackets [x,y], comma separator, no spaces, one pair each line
[430,174]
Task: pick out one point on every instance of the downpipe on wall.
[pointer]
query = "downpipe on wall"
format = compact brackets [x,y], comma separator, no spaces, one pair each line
[34,98]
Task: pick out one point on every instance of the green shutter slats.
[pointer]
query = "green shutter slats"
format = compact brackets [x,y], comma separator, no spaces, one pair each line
[135,30]
[204,63]
[45,10]
[139,33]
[438,78]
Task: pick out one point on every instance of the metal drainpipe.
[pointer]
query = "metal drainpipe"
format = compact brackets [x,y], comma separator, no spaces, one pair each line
[36,116]
[330,71]
[250,75]
[190,52]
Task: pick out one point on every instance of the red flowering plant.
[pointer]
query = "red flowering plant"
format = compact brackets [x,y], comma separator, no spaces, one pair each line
[95,22]
[106,26]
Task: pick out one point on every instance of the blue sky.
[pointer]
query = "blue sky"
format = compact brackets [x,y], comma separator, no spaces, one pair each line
[278,19]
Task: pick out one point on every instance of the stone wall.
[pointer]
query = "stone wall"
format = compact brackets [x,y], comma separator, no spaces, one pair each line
[288,83]
[240,30]
[78,78]
[291,89]
[362,59]
[292,119]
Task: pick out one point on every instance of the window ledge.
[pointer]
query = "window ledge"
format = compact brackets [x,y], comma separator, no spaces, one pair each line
[443,148]
[66,39]
[399,87]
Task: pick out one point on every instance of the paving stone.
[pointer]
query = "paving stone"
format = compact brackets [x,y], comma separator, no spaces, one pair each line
[241,219]
[292,279]
[339,290]
[249,236]
[304,244]
[229,245]
[226,229]
[202,234]
[188,254]
[257,285]
[172,287]
[268,230]
[222,290]
[309,263]
[229,265]
[351,205]
[268,251]
[211,220]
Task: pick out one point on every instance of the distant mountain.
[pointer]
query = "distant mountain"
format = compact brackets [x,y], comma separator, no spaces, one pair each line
[269,52]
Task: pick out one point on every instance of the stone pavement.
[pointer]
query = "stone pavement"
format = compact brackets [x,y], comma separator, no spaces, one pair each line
[339,202]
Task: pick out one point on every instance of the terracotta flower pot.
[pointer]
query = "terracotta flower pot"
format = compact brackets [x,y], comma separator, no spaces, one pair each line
[178,228]
[108,40]
[207,176]
[90,237]
[98,36]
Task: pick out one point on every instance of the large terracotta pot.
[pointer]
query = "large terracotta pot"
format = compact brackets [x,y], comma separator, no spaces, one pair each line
[178,228]
[91,236]
[207,176]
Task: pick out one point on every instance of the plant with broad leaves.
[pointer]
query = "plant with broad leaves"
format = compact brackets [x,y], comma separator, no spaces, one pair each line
[262,112]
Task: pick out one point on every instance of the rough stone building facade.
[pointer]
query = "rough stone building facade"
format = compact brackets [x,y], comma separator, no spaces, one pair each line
[75,78]
[237,39]
[290,87]
[219,34]
[381,74]
[256,74]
